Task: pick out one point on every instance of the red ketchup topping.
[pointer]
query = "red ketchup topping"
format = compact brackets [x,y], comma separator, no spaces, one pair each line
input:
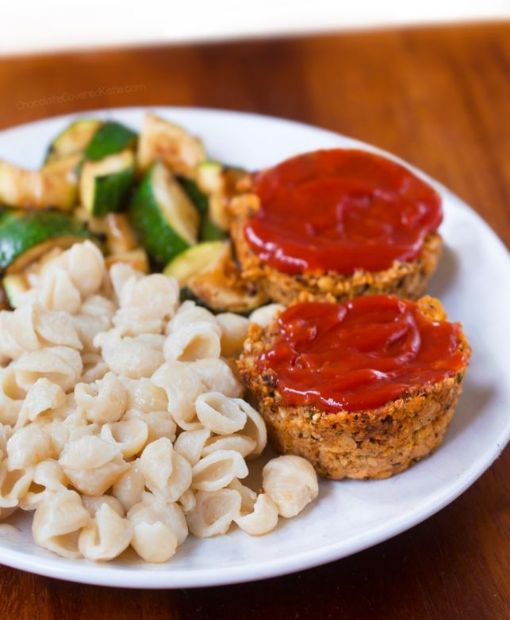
[360,354]
[340,210]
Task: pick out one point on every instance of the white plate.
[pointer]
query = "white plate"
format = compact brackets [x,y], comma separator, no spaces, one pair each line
[473,282]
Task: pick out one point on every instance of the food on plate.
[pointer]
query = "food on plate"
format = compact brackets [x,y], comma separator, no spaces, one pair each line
[335,224]
[122,422]
[139,271]
[361,389]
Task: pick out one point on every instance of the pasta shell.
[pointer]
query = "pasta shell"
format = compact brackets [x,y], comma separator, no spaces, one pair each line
[291,482]
[130,436]
[154,542]
[42,397]
[60,365]
[217,470]
[220,414]
[239,443]
[153,509]
[103,401]
[57,523]
[191,443]
[29,446]
[14,485]
[214,512]
[262,519]
[159,527]
[106,536]
[58,292]
[266,315]
[47,478]
[85,265]
[182,386]
[129,488]
[234,329]
[165,471]
[217,376]
[92,464]
[255,427]
[159,423]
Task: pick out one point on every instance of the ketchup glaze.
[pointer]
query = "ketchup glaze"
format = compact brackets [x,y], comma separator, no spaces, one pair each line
[360,354]
[340,210]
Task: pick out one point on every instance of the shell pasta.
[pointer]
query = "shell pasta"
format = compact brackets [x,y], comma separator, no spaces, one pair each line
[122,422]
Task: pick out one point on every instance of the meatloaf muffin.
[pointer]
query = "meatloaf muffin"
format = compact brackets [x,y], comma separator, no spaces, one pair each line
[361,389]
[333,225]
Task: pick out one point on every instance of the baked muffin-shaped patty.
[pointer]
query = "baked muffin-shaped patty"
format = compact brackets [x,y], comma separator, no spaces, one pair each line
[362,389]
[336,224]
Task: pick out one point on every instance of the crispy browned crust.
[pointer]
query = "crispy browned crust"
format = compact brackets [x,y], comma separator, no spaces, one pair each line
[375,443]
[405,279]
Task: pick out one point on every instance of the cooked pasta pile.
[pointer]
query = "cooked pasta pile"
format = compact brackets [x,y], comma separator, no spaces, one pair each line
[122,421]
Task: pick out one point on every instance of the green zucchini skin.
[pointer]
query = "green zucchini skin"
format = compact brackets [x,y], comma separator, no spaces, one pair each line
[157,237]
[68,143]
[22,230]
[195,260]
[195,194]
[110,138]
[112,192]
[208,230]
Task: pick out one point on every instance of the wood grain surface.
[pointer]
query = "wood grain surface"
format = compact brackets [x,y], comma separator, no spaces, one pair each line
[439,98]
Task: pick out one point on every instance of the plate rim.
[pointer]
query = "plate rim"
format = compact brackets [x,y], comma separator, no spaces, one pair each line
[121,577]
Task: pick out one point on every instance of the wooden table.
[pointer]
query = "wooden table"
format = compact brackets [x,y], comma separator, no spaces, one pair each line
[439,98]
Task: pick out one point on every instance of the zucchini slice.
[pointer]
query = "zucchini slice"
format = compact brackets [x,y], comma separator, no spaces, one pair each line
[136,258]
[54,185]
[198,259]
[15,286]
[210,232]
[218,183]
[105,184]
[120,235]
[115,228]
[110,138]
[163,216]
[208,229]
[210,177]
[26,235]
[73,139]
[196,195]
[208,274]
[171,144]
